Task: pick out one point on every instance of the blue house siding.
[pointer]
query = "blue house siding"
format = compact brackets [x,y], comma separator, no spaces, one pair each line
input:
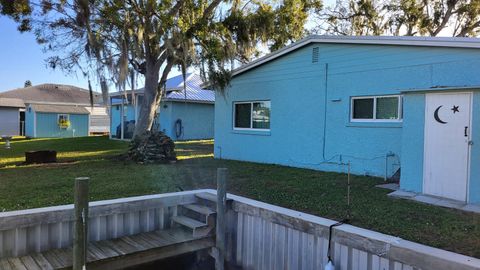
[29,123]
[47,125]
[165,122]
[129,112]
[413,142]
[115,113]
[197,120]
[310,108]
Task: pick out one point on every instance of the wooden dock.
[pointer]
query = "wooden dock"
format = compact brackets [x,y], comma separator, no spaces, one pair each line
[191,228]
[116,253]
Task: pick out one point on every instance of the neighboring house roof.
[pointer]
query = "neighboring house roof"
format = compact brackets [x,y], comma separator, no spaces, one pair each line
[175,90]
[52,93]
[454,42]
[194,91]
[59,109]
[11,102]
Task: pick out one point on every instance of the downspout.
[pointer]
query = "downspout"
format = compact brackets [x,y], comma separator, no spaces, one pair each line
[325,113]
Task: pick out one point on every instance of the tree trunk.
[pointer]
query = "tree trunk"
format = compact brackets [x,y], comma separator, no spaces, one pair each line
[151,100]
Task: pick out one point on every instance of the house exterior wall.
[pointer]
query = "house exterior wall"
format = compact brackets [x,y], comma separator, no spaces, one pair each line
[9,121]
[115,113]
[310,108]
[164,119]
[29,122]
[129,112]
[47,125]
[99,119]
[197,120]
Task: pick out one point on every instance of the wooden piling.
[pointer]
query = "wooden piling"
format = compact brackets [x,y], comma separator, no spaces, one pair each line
[221,218]
[80,227]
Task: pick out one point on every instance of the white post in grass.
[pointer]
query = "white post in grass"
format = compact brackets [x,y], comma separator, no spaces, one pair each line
[221,218]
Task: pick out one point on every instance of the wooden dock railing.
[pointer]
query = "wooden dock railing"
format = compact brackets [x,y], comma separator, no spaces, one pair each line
[258,235]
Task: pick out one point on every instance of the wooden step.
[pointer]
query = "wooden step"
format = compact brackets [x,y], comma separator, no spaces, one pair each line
[204,210]
[207,196]
[188,222]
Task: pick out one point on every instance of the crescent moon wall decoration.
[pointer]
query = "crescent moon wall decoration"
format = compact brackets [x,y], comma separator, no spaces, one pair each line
[437,118]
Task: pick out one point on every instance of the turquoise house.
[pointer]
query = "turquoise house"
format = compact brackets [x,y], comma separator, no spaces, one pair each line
[393,107]
[186,111]
[50,120]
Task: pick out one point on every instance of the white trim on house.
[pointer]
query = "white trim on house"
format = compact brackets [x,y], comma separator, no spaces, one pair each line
[453,42]
[374,119]
[251,115]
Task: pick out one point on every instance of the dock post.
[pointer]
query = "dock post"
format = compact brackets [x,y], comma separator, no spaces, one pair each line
[221,218]
[80,227]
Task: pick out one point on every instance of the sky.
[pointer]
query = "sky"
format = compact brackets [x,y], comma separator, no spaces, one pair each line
[22,59]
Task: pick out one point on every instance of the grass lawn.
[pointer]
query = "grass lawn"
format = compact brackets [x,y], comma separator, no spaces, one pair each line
[318,193]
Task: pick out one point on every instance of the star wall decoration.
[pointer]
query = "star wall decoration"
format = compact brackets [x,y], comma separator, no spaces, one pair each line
[455,109]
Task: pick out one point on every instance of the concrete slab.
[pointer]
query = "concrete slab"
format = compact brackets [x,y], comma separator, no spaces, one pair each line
[426,199]
[391,186]
[402,194]
[471,208]
[437,201]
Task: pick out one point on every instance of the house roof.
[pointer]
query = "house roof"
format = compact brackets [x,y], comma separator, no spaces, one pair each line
[59,109]
[11,102]
[453,42]
[175,90]
[52,93]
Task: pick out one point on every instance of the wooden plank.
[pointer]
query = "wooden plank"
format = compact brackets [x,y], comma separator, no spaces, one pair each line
[204,210]
[104,248]
[16,264]
[110,244]
[30,263]
[123,246]
[153,254]
[64,256]
[133,243]
[52,259]
[138,241]
[188,222]
[4,264]
[147,240]
[207,196]
[42,261]
[98,253]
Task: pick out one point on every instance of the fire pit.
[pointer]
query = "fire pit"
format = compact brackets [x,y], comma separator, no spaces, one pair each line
[42,156]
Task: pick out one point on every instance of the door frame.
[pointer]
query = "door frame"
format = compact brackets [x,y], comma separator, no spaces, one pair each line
[470,94]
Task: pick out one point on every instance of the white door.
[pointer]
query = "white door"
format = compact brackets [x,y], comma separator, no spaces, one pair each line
[447,134]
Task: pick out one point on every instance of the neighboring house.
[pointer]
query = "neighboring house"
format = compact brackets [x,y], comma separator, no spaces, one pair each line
[12,117]
[57,102]
[373,105]
[45,121]
[182,115]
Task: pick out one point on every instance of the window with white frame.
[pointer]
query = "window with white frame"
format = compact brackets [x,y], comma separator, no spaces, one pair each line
[376,109]
[251,115]
[63,118]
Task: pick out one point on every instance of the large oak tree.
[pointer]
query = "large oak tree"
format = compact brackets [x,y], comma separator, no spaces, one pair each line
[116,38]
